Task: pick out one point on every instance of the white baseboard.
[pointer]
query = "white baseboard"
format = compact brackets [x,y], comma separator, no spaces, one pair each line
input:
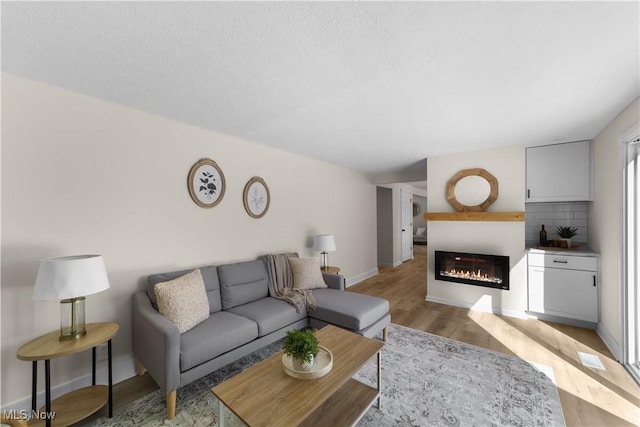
[609,341]
[124,367]
[389,264]
[361,277]
[476,307]
[560,319]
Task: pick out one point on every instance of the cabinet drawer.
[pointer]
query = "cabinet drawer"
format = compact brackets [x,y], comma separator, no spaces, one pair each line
[564,261]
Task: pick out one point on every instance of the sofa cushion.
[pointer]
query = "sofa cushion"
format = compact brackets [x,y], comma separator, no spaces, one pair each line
[211,284]
[306,273]
[220,333]
[183,300]
[348,309]
[242,283]
[270,314]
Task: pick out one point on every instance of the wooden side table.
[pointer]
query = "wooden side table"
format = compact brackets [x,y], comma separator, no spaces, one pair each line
[330,269]
[81,403]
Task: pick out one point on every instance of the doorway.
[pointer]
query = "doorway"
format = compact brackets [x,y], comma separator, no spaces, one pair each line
[396,221]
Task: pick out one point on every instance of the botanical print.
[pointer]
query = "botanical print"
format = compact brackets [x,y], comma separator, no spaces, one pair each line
[257,198]
[206,183]
[208,186]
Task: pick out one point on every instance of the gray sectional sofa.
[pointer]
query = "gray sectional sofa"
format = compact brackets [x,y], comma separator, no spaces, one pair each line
[243,318]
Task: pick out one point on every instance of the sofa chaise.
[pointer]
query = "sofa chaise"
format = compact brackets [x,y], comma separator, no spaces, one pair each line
[420,237]
[242,318]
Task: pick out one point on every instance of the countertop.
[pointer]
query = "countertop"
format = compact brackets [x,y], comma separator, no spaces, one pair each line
[582,250]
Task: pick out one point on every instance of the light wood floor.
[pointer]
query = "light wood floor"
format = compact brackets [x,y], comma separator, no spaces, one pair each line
[589,397]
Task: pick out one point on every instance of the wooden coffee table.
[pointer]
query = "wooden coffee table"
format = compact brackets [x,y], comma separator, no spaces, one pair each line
[264,395]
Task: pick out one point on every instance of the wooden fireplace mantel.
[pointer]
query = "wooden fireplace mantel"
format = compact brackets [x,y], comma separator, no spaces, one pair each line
[517,216]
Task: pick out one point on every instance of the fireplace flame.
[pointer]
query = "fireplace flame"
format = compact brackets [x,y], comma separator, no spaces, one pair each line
[471,275]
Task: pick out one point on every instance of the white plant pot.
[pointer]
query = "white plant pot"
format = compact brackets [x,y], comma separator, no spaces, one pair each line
[303,366]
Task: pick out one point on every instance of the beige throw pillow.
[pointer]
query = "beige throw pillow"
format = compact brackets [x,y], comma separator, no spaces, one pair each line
[183,300]
[306,273]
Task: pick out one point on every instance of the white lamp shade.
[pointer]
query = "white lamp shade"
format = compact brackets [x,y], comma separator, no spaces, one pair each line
[324,243]
[70,277]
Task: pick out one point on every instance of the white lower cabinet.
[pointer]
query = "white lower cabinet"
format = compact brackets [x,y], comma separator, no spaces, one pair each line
[564,286]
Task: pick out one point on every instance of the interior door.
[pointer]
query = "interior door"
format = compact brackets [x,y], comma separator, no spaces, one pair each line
[407,225]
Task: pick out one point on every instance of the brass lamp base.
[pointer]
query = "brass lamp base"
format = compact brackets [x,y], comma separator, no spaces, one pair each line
[72,319]
[73,336]
[324,260]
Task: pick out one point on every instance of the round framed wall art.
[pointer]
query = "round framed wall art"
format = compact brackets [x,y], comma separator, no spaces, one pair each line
[256,197]
[206,183]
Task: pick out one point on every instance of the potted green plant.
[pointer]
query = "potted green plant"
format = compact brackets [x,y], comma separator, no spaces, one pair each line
[302,345]
[566,233]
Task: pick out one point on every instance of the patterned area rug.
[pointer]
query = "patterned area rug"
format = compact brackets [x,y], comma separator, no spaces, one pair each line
[427,380]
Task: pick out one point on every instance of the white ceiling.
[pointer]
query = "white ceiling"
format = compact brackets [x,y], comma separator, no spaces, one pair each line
[376,87]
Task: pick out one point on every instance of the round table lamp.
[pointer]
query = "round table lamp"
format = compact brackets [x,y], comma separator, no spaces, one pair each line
[324,243]
[69,279]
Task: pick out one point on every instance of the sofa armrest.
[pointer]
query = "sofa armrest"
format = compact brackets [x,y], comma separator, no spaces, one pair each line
[334,281]
[155,342]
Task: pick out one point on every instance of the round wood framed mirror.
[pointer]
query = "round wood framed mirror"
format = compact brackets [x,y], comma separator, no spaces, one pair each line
[481,207]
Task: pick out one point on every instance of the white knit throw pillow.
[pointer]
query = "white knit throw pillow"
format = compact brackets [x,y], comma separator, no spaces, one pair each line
[306,273]
[183,300]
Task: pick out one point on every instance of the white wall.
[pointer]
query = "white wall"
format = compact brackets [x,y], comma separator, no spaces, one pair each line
[497,238]
[605,219]
[81,175]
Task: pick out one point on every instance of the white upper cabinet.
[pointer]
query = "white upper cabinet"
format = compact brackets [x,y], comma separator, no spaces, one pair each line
[559,173]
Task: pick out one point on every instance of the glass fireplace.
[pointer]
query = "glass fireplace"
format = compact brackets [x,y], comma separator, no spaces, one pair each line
[491,271]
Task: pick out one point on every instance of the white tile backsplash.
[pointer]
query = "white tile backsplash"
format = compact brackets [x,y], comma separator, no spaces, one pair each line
[554,215]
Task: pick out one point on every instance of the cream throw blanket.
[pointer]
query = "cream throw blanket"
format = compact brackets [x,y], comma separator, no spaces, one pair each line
[281,282]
